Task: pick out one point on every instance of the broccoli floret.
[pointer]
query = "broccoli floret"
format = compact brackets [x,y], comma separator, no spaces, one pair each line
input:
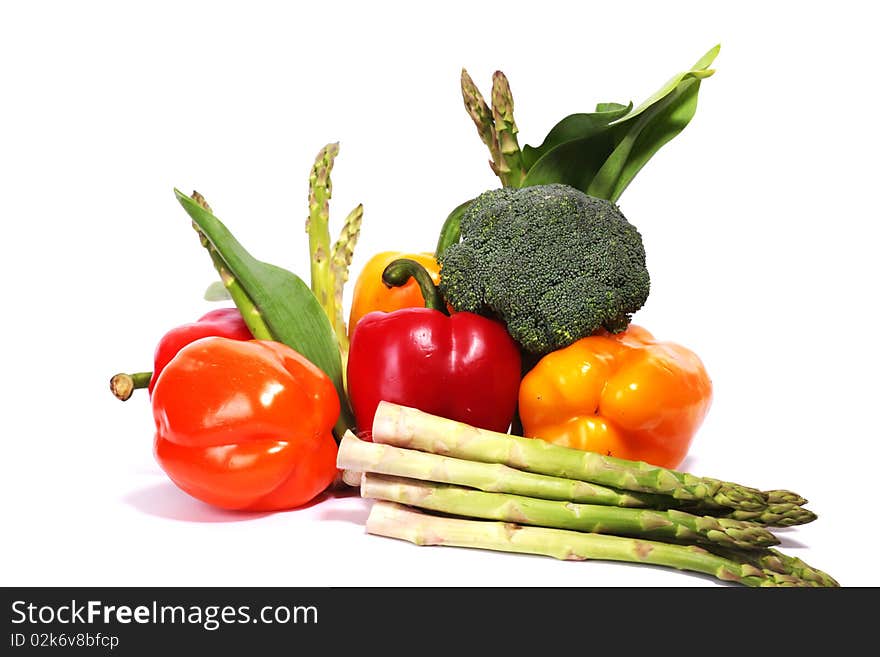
[552,263]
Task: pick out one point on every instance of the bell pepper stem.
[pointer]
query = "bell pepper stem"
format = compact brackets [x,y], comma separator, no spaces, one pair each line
[122,385]
[399,271]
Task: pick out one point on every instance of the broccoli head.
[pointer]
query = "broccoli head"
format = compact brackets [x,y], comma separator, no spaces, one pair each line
[552,263]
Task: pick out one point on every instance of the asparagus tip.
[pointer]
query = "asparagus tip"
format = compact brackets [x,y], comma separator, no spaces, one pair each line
[198,198]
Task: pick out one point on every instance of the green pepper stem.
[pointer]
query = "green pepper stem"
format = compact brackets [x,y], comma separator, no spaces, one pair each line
[122,385]
[398,272]
[450,233]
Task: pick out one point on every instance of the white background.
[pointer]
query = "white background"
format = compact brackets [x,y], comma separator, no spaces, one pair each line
[760,222]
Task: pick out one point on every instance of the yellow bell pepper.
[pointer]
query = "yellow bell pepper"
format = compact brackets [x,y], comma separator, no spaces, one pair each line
[370,293]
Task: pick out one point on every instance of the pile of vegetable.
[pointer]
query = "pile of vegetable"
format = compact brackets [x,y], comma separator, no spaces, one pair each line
[493,393]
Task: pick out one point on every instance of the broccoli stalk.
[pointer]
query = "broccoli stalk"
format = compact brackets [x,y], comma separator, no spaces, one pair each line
[551,262]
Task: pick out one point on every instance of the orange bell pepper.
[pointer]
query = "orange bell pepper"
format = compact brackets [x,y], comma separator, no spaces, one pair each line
[625,395]
[370,293]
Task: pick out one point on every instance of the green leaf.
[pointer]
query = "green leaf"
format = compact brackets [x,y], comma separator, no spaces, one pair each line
[575,126]
[286,304]
[575,162]
[602,108]
[658,125]
[698,71]
[216,291]
[601,153]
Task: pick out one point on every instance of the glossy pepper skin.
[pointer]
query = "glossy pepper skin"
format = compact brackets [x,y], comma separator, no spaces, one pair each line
[245,425]
[625,395]
[371,294]
[224,322]
[465,367]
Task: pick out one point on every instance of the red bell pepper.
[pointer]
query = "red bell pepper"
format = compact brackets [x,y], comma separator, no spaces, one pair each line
[223,322]
[245,424]
[464,367]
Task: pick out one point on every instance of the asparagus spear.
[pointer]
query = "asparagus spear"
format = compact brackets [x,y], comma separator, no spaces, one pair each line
[340,261]
[640,523]
[774,515]
[252,316]
[511,169]
[361,456]
[399,521]
[784,497]
[408,427]
[329,265]
[770,559]
[496,126]
[481,115]
[317,227]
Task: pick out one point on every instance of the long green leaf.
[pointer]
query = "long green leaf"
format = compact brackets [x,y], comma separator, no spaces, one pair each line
[602,157]
[575,162]
[287,305]
[699,71]
[643,138]
[650,126]
[575,126]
